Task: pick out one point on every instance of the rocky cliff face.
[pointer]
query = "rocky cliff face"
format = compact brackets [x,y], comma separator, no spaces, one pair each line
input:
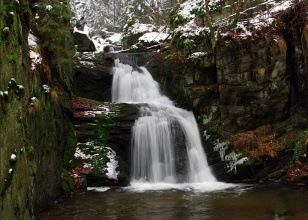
[35,128]
[243,86]
[246,81]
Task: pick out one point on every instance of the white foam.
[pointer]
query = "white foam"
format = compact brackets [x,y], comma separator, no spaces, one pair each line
[98,189]
[142,186]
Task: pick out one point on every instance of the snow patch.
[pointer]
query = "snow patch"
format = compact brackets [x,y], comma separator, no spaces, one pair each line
[112,165]
[13,157]
[35,57]
[48,7]
[153,37]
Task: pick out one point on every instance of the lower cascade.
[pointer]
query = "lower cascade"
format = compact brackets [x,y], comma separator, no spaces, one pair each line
[158,132]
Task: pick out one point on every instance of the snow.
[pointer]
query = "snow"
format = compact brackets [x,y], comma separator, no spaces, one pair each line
[48,7]
[84,31]
[46,88]
[99,17]
[113,40]
[13,157]
[109,169]
[137,28]
[196,55]
[153,36]
[35,57]
[79,154]
[281,6]
[187,7]
[260,20]
[207,136]
[20,87]
[98,189]
[112,165]
[93,113]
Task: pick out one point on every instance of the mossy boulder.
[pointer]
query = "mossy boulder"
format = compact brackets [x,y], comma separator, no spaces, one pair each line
[103,133]
[83,42]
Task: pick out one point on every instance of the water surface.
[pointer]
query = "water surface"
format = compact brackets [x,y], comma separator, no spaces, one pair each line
[184,202]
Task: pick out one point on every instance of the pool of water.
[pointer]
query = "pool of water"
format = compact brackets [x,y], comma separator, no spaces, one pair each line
[184,202]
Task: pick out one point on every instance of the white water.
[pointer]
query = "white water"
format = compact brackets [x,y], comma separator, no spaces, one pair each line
[154,133]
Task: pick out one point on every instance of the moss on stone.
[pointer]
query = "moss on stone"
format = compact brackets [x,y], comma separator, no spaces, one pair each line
[70,148]
[67,182]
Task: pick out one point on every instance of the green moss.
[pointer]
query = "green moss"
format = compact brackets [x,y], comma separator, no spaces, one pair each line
[30,151]
[55,32]
[177,19]
[124,112]
[70,148]
[67,181]
[300,145]
[178,96]
[97,132]
[6,184]
[99,153]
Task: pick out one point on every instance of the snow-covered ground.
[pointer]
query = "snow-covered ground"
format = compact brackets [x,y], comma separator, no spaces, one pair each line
[114,41]
[260,18]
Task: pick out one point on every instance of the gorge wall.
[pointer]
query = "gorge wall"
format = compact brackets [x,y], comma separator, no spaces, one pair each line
[244,87]
[36,133]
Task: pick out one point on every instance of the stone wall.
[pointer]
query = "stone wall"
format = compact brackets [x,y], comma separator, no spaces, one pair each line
[247,84]
[253,83]
[240,81]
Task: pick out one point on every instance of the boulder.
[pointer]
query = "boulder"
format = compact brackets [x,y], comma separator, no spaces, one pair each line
[83,42]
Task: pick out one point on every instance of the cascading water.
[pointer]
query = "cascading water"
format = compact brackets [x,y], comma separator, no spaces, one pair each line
[156,131]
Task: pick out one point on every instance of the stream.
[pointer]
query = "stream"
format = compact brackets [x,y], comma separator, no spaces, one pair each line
[241,201]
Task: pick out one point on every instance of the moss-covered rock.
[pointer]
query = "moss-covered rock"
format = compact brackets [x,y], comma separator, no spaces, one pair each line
[103,132]
[83,42]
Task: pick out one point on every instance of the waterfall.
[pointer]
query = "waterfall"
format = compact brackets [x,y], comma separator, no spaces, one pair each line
[158,129]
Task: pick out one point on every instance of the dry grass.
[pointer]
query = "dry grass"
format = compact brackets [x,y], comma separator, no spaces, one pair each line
[54,97]
[34,107]
[244,141]
[44,72]
[263,130]
[267,149]
[282,46]
[260,142]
